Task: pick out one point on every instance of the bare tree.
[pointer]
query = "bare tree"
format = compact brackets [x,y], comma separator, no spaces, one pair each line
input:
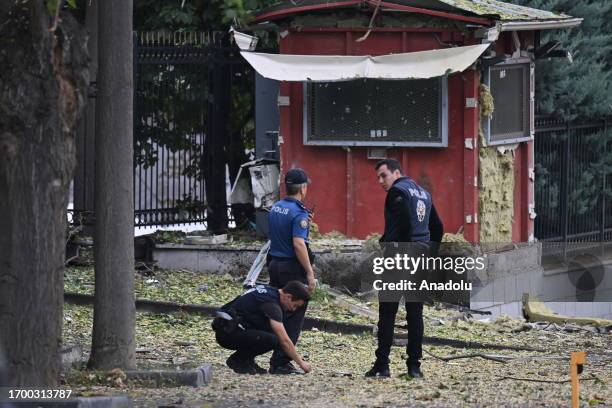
[42,86]
[114,311]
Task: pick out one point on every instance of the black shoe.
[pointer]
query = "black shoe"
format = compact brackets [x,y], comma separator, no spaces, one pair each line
[257,368]
[414,371]
[283,369]
[379,370]
[240,366]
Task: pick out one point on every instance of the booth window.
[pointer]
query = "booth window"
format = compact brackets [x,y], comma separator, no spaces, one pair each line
[511,85]
[368,112]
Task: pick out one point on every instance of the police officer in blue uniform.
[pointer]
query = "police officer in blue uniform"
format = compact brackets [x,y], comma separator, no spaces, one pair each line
[252,324]
[410,217]
[289,257]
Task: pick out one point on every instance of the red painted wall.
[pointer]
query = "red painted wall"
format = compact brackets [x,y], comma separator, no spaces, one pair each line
[344,186]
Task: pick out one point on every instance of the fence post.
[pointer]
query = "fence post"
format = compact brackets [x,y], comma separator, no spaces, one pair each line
[134,112]
[565,188]
[602,196]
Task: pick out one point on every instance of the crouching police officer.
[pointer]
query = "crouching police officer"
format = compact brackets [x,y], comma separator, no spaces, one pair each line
[252,324]
[289,257]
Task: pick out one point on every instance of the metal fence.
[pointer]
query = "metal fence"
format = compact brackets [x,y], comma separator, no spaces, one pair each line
[573,179]
[172,117]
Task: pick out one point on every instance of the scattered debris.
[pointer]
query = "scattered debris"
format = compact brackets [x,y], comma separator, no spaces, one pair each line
[72,356]
[337,378]
[339,361]
[168,237]
[184,343]
[257,267]
[538,311]
[202,288]
[546,381]
[348,303]
[493,357]
[206,240]
[401,340]
[462,309]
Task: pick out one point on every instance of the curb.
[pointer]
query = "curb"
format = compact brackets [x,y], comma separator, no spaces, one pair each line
[330,326]
[197,377]
[154,306]
[81,402]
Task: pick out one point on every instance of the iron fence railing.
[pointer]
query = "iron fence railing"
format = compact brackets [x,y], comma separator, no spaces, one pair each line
[173,73]
[170,125]
[572,191]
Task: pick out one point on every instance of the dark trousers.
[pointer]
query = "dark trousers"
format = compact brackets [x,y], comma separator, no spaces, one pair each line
[281,272]
[247,343]
[386,325]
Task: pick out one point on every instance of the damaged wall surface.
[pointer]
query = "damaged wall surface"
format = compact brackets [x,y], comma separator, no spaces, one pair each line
[496,183]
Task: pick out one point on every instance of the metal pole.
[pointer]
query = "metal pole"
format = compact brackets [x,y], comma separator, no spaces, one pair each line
[565,189]
[136,120]
[603,193]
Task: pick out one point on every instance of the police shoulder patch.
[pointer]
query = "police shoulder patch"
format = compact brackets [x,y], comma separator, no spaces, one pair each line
[304,223]
[421,209]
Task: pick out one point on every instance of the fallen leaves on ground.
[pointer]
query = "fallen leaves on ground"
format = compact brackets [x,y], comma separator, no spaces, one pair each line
[183,341]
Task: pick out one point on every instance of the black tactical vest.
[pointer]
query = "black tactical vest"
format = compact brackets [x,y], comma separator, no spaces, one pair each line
[420,207]
[247,306]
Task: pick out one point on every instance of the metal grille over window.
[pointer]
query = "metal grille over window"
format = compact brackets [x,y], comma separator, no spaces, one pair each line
[375,112]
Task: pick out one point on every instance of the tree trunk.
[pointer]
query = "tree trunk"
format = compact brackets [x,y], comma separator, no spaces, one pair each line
[214,148]
[42,86]
[114,310]
[86,131]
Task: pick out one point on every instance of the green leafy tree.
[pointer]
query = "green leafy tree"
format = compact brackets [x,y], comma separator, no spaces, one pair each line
[582,89]
[176,103]
[193,15]
[174,15]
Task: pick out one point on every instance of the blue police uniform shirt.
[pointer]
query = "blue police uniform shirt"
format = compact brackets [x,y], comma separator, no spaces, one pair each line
[288,218]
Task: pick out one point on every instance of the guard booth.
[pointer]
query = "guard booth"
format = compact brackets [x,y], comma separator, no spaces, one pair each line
[366,80]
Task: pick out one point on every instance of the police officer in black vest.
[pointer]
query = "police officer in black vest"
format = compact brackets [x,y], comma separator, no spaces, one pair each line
[410,218]
[252,324]
[289,257]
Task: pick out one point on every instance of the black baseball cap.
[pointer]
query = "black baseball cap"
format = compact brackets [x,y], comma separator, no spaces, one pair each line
[296,176]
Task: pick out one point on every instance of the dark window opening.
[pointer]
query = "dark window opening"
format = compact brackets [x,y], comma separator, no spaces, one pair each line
[512,90]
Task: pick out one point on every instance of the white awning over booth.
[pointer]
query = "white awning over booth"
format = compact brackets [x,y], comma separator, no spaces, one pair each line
[328,68]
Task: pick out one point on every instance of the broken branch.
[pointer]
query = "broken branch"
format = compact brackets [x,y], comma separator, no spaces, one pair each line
[544,381]
[370,26]
[493,357]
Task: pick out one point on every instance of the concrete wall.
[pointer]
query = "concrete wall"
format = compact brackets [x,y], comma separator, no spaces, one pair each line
[510,274]
[499,288]
[337,268]
[205,259]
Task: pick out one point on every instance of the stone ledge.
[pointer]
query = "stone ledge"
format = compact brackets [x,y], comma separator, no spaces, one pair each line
[81,402]
[197,377]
